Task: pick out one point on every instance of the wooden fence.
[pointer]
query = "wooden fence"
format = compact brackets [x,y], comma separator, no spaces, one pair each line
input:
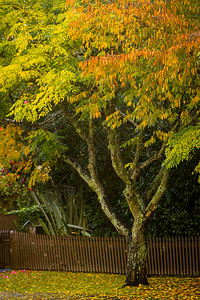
[4,249]
[68,253]
[166,256]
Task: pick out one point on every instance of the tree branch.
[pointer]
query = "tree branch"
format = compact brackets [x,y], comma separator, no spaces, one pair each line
[157,196]
[135,201]
[138,150]
[153,185]
[81,171]
[49,119]
[75,124]
[92,166]
[123,115]
[147,162]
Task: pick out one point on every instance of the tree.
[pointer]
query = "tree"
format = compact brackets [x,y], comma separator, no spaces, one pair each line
[125,73]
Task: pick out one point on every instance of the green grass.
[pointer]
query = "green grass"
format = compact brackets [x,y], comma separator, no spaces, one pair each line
[97,286]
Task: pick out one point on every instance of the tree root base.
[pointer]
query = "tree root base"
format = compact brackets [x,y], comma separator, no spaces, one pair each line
[135,284]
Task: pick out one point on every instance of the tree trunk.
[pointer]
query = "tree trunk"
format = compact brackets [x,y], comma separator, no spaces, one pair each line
[137,255]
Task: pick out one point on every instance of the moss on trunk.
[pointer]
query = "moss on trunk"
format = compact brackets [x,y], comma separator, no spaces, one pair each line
[137,255]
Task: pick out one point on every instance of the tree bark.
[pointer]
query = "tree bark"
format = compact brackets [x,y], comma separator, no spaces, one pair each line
[137,255]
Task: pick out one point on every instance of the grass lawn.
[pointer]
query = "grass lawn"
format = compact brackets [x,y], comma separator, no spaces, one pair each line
[94,286]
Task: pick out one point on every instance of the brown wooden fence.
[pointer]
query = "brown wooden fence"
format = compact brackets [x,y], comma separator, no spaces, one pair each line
[174,256]
[166,256]
[68,253]
[4,249]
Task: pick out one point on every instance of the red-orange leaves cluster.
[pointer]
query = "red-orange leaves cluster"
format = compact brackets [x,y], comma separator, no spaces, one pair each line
[149,48]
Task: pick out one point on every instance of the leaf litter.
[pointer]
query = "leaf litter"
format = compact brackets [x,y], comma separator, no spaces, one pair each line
[27,284]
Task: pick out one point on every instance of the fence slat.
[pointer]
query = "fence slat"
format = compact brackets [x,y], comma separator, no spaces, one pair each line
[151,257]
[97,251]
[116,265]
[164,256]
[180,256]
[95,268]
[155,256]
[102,266]
[41,252]
[190,255]
[197,255]
[160,253]
[187,261]
[103,255]
[118,256]
[85,261]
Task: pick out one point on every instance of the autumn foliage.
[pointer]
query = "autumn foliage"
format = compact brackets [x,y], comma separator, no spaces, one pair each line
[127,71]
[147,49]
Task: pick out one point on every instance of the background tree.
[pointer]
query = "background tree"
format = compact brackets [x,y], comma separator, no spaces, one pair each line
[125,73]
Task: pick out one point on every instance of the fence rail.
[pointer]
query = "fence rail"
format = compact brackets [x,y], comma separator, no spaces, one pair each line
[166,256]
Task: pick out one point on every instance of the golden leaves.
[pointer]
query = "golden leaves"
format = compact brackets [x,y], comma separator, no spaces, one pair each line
[11,144]
[114,120]
[16,157]
[96,286]
[39,174]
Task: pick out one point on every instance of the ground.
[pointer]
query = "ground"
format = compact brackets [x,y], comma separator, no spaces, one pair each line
[28,284]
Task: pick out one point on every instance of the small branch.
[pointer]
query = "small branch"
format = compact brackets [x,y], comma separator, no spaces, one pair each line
[147,162]
[138,150]
[75,124]
[81,171]
[123,115]
[153,185]
[51,118]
